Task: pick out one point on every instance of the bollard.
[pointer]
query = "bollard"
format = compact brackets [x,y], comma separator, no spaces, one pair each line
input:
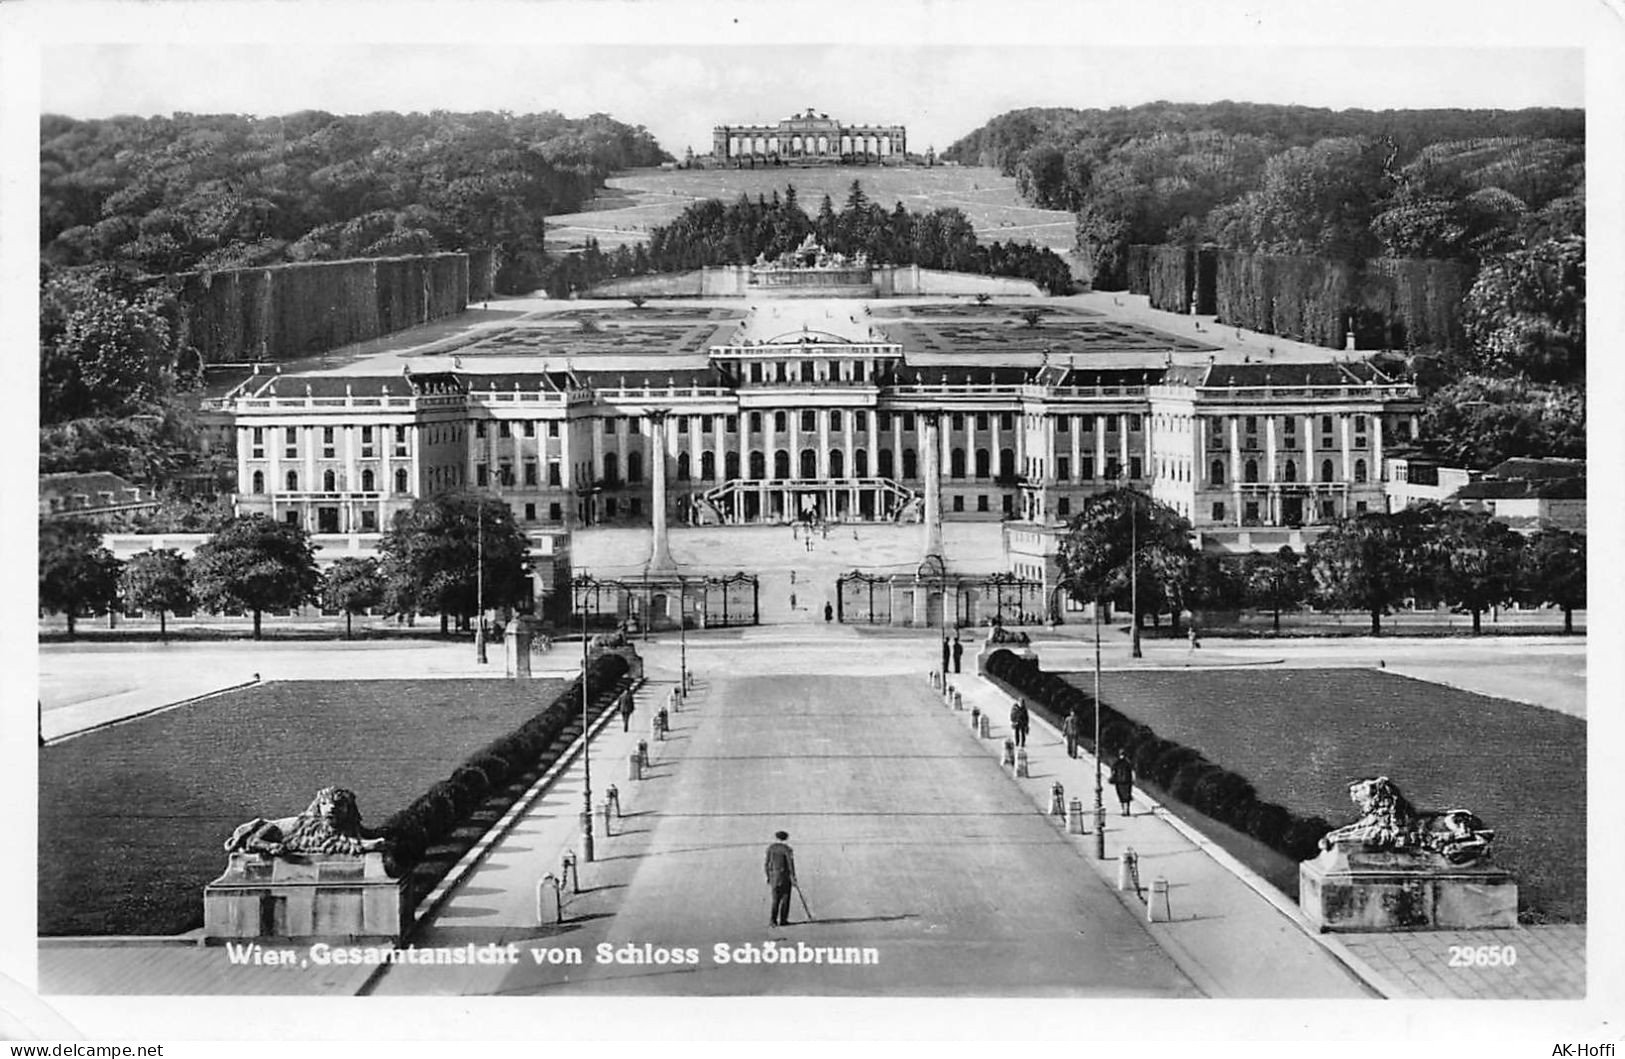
[634,766]
[1057,799]
[959,701]
[567,870]
[643,752]
[613,795]
[1157,910]
[987,727]
[975,718]
[608,833]
[1128,870]
[1009,757]
[665,722]
[586,841]
[1074,817]
[1021,761]
[547,893]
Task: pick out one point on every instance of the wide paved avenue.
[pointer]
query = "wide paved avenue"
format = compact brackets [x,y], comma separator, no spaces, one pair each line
[909,839]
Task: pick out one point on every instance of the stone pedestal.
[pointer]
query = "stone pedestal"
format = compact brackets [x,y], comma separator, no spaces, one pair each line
[333,896]
[1354,890]
[516,649]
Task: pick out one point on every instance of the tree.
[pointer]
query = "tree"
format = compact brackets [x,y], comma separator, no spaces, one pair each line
[352,585]
[1478,421]
[101,353]
[1525,313]
[1120,537]
[1478,561]
[429,556]
[157,579]
[1371,562]
[1555,571]
[255,564]
[1277,580]
[76,574]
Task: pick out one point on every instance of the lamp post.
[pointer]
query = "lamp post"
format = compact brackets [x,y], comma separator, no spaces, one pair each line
[1100,804]
[586,752]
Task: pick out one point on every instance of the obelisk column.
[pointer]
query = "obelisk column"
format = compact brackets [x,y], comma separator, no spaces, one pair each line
[659,551]
[932,451]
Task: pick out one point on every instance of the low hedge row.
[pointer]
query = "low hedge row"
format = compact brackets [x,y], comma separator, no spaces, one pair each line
[1179,770]
[436,813]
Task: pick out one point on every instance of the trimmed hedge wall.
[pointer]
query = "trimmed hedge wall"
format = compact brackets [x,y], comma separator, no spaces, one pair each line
[289,311]
[1179,770]
[435,814]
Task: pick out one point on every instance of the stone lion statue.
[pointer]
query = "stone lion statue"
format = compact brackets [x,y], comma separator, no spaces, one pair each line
[1388,821]
[332,824]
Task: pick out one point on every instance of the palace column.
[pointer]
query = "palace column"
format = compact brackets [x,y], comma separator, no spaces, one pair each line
[1348,465]
[1271,516]
[932,447]
[1310,471]
[1100,448]
[659,550]
[1235,465]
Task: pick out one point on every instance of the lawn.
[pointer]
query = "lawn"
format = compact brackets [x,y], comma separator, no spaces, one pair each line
[636,201]
[1302,735]
[132,818]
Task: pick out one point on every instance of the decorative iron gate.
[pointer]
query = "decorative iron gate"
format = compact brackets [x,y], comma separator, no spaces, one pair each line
[731,600]
[863,599]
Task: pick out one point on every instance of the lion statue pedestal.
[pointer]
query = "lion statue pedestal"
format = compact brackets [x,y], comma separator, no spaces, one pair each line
[1398,869]
[315,875]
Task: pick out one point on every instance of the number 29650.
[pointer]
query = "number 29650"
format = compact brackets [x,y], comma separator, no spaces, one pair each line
[1483,955]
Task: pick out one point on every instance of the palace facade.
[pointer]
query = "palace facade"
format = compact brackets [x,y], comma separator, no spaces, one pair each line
[809,137]
[852,425]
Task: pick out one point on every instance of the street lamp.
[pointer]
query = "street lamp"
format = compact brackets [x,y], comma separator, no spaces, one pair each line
[586,751]
[1100,804]
[682,629]
[479,579]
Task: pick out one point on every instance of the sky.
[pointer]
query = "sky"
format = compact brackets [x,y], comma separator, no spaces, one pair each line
[930,68]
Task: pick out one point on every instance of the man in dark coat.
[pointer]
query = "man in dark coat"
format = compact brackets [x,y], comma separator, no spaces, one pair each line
[959,652]
[1123,779]
[626,713]
[1069,728]
[1019,721]
[945,654]
[781,877]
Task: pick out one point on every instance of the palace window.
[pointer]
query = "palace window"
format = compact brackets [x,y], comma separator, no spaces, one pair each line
[367,481]
[708,424]
[366,442]
[290,443]
[1063,424]
[504,429]
[909,464]
[1359,470]
[1249,515]
[1250,471]
[400,480]
[479,428]
[530,428]
[956,463]
[1135,425]
[1252,424]
[1007,463]
[1290,472]
[809,463]
[609,507]
[369,521]
[959,421]
[555,512]
[530,512]
[860,422]
[1136,468]
[1325,470]
[1063,507]
[505,473]
[983,463]
[682,425]
[708,466]
[758,465]
[780,422]
[730,464]
[1325,424]
[1009,504]
[1359,507]
[860,463]
[293,481]
[733,424]
[981,420]
[555,472]
[884,465]
[834,421]
[1086,468]
[1218,511]
[1063,467]
[756,422]
[259,443]
[837,463]
[781,463]
[1216,472]
[1007,421]
[482,474]
[634,466]
[259,482]
[908,422]
[553,428]
[809,420]
[682,467]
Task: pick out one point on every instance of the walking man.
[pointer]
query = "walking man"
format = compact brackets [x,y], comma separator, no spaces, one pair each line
[1123,779]
[1069,728]
[781,877]
[1019,721]
[945,654]
[959,652]
[626,713]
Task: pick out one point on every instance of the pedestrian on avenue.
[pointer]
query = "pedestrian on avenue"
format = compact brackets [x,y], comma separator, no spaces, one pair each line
[1196,644]
[959,652]
[946,651]
[1123,780]
[1069,728]
[1019,721]
[829,612]
[781,878]
[626,713]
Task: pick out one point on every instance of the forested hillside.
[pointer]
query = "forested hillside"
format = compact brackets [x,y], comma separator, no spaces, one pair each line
[1455,237]
[193,191]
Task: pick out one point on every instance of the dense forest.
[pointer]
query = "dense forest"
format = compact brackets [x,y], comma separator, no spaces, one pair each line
[127,204]
[1465,226]
[709,233]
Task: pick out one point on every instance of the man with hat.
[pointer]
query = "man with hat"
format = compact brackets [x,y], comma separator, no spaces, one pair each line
[781,877]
